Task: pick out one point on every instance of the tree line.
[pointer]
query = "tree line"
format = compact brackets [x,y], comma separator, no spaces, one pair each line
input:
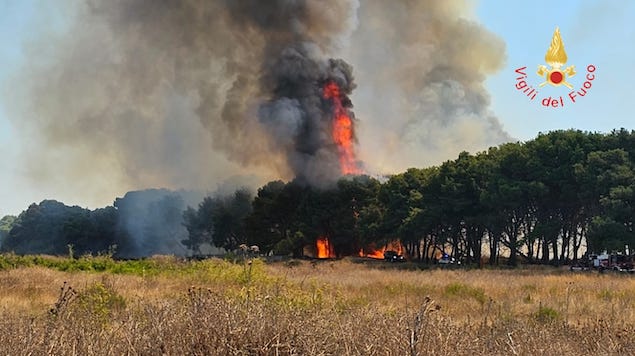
[142,223]
[547,200]
[543,201]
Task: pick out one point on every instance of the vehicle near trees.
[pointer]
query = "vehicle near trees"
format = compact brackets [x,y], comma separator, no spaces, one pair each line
[393,256]
[616,261]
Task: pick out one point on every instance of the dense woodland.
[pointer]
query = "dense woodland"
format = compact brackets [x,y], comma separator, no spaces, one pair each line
[547,200]
[142,223]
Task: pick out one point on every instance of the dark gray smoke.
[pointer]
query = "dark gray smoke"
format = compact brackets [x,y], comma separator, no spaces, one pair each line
[299,118]
[294,70]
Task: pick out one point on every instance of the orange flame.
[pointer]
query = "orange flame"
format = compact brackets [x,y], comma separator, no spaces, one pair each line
[342,130]
[324,248]
[372,252]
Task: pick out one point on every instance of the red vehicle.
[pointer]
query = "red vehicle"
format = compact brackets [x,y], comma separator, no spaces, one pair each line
[616,261]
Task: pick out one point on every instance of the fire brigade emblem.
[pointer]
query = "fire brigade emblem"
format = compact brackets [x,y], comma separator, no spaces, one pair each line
[556,57]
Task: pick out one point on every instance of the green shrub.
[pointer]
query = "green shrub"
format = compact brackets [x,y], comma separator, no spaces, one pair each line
[462,290]
[101,300]
[546,314]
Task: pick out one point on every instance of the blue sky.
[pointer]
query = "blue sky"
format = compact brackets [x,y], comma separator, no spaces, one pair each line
[20,20]
[16,17]
[594,32]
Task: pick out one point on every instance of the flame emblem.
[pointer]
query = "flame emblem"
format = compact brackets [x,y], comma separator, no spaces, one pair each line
[556,57]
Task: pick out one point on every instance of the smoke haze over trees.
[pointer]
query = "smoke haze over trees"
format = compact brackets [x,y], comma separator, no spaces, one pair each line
[142,223]
[218,221]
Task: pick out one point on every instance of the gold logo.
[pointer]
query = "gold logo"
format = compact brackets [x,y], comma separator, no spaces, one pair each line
[556,57]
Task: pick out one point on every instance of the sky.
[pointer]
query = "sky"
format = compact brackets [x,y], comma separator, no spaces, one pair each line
[594,32]
[15,19]
[598,33]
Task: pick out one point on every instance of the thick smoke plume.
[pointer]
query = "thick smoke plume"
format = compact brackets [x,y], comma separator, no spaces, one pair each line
[420,67]
[293,73]
[181,93]
[186,93]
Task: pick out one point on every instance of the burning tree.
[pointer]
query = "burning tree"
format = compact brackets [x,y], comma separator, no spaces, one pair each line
[310,117]
[342,132]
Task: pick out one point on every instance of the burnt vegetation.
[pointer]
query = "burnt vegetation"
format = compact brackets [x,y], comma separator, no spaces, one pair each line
[540,201]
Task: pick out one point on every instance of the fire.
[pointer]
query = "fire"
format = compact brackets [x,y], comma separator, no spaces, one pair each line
[324,248]
[342,130]
[372,252]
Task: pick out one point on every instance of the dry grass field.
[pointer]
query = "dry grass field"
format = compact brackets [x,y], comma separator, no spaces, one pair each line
[345,307]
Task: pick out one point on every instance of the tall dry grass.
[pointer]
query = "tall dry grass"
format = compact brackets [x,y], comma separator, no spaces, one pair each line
[309,308]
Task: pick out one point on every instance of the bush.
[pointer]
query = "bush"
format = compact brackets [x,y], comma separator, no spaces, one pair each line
[462,290]
[546,314]
[101,301]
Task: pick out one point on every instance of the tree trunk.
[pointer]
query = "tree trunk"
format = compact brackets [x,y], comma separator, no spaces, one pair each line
[577,241]
[494,240]
[426,243]
[566,239]
[545,250]
[554,246]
